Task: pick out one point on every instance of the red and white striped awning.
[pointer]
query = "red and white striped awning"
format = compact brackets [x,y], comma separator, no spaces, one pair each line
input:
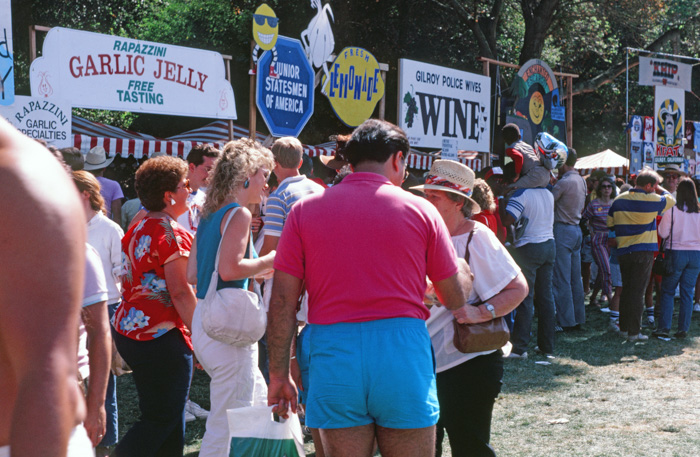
[608,161]
[422,161]
[117,141]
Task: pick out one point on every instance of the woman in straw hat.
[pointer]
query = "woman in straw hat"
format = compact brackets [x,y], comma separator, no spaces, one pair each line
[468,384]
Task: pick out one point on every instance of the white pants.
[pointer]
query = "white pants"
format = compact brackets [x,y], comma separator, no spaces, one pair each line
[236,381]
[79,445]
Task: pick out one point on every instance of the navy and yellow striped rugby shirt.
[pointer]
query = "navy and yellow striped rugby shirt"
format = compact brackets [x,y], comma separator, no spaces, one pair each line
[632,218]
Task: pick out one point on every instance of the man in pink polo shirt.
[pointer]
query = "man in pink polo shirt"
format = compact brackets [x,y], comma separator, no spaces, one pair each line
[363,249]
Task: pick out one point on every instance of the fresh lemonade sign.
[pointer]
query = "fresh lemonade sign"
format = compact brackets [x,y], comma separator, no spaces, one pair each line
[354,85]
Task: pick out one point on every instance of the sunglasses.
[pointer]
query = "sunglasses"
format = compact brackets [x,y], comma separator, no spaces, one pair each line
[186,185]
[606,187]
[260,20]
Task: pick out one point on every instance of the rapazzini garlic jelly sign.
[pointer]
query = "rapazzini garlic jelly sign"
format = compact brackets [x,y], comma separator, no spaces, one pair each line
[437,103]
[99,71]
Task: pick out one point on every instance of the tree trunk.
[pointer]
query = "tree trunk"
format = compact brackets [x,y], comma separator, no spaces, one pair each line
[538,16]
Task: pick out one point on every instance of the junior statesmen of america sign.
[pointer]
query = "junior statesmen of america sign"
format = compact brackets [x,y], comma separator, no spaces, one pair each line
[437,103]
[114,73]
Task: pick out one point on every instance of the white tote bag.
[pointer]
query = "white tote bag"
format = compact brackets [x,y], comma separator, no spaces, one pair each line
[253,431]
[233,316]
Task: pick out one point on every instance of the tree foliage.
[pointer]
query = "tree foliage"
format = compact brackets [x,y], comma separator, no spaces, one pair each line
[585,37]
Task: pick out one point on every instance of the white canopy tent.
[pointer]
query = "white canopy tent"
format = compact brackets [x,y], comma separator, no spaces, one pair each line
[609,161]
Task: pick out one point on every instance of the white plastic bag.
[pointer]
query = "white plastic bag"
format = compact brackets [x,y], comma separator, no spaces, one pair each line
[254,432]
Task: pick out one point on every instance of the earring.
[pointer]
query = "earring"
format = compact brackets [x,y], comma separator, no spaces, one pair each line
[172,201]
[246,183]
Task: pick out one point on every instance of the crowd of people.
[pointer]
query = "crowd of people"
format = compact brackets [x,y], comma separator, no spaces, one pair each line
[366,286]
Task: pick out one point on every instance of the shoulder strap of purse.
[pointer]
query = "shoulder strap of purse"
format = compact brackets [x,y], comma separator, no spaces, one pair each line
[466,258]
[466,250]
[223,232]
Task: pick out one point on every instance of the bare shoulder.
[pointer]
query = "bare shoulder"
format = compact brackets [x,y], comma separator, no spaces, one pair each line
[44,233]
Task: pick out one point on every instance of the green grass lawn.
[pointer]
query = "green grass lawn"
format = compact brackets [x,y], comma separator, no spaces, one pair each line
[600,396]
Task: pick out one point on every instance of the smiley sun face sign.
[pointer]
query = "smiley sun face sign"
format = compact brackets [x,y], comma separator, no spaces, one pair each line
[536,108]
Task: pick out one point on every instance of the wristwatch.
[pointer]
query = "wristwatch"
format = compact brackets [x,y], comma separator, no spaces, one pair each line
[491,309]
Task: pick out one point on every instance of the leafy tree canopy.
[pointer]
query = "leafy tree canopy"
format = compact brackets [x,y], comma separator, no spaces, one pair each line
[585,37]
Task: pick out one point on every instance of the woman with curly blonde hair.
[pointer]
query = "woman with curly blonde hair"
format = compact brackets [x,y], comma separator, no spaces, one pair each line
[238,179]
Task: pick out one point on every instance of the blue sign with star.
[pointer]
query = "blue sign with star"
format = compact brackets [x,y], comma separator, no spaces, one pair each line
[285,88]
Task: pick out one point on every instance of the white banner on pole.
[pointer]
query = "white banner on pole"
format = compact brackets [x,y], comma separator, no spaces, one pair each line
[660,72]
[99,71]
[47,119]
[7,65]
[438,102]
[669,125]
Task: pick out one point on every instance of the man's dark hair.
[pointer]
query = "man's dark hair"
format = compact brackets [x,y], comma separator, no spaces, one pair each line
[375,141]
[199,152]
[307,166]
[571,157]
[511,133]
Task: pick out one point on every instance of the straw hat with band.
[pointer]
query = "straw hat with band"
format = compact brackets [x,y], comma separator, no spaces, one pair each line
[97,159]
[672,168]
[451,176]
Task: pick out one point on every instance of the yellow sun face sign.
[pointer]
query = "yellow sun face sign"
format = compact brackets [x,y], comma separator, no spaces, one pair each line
[536,108]
[265,27]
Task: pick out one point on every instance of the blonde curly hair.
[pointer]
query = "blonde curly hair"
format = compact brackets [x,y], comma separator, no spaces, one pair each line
[483,196]
[238,161]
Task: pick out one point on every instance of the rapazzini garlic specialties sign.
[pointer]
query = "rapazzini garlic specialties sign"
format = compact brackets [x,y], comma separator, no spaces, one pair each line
[99,71]
[437,103]
[47,119]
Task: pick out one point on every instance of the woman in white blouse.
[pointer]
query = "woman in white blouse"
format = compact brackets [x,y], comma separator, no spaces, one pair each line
[680,227]
[468,384]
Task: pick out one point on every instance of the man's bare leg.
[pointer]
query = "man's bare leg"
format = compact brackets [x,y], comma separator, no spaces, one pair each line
[318,443]
[412,442]
[349,442]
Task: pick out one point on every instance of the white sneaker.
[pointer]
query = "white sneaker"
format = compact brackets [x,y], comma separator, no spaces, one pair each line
[638,337]
[696,307]
[196,410]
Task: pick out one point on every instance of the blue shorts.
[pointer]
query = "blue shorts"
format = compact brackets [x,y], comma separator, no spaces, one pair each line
[303,361]
[379,372]
[615,274]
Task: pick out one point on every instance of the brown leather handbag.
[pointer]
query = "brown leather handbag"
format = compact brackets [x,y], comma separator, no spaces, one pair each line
[481,337]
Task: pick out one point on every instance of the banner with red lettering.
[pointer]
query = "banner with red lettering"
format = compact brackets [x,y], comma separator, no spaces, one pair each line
[660,72]
[669,108]
[99,71]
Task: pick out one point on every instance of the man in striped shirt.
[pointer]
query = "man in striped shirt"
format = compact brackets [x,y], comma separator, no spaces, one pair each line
[293,186]
[632,224]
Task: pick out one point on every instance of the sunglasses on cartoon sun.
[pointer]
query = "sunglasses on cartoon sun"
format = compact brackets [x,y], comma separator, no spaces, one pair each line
[260,20]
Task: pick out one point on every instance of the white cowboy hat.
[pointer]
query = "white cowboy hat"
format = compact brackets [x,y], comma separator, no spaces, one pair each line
[97,159]
[451,176]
